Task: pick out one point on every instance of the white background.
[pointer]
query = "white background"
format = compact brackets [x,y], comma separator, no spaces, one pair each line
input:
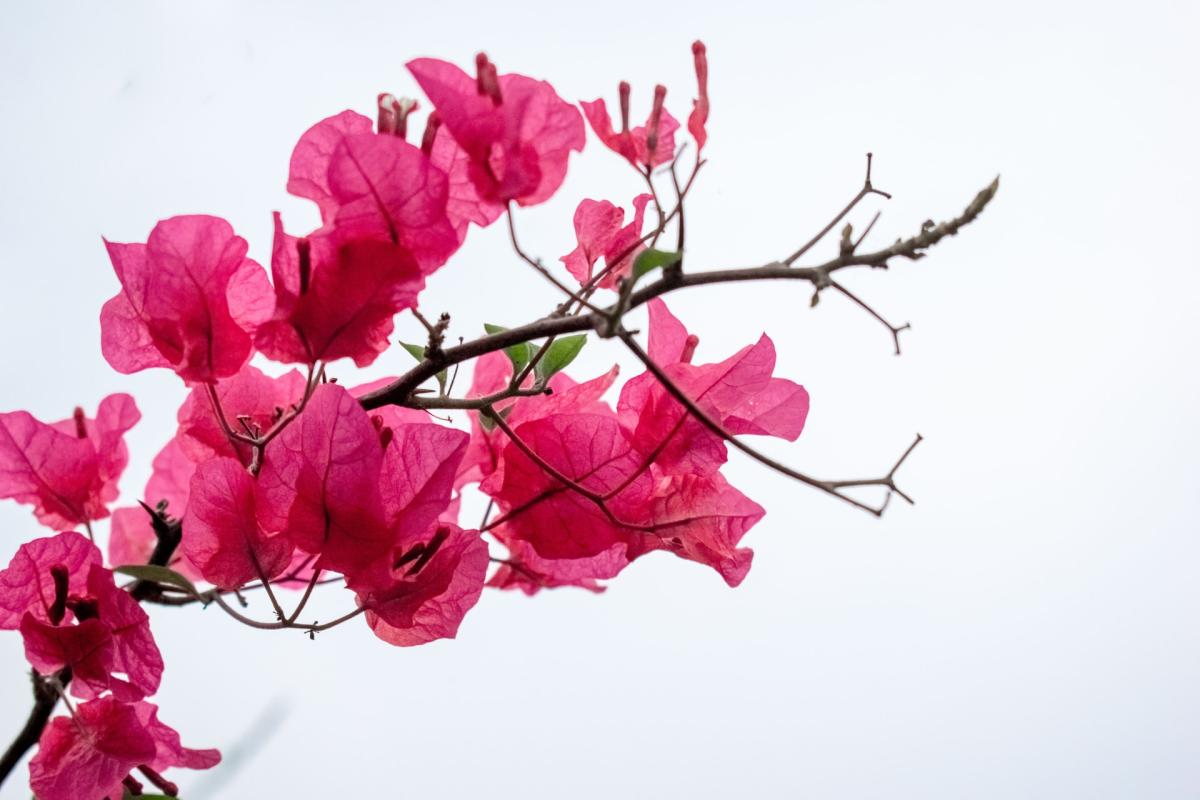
[1027,630]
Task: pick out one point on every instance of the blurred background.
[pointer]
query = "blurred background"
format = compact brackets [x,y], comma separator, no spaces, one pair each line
[1028,629]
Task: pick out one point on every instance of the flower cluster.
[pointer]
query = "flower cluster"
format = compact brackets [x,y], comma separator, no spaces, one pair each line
[290,480]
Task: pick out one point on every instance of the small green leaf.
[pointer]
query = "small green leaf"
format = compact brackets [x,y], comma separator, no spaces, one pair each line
[414,350]
[649,260]
[418,352]
[519,354]
[157,574]
[561,352]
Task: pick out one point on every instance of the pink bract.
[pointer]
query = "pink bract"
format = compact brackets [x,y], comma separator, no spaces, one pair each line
[426,597]
[336,295]
[600,235]
[26,584]
[66,470]
[190,300]
[222,536]
[633,144]
[89,755]
[517,132]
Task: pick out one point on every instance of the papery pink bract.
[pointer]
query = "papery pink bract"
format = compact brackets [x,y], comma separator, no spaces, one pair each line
[600,235]
[492,373]
[86,647]
[134,651]
[379,187]
[26,584]
[518,136]
[168,750]
[66,470]
[463,204]
[257,398]
[701,519]
[388,190]
[319,485]
[190,300]
[222,537]
[420,461]
[422,602]
[88,755]
[633,144]
[308,172]
[336,297]
[559,522]
[112,639]
[739,393]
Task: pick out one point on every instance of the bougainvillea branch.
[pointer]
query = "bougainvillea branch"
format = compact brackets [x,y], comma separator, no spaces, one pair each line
[291,478]
[401,390]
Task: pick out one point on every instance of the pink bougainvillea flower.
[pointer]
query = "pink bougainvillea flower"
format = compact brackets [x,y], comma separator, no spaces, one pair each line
[27,584]
[111,638]
[168,750]
[560,523]
[699,116]
[319,484]
[464,205]
[652,466]
[389,190]
[66,470]
[600,235]
[336,295]
[86,647]
[701,519]
[739,393]
[190,300]
[222,536]
[134,652]
[646,146]
[308,173]
[517,132]
[89,754]
[572,541]
[420,460]
[492,373]
[432,585]
[250,396]
[379,187]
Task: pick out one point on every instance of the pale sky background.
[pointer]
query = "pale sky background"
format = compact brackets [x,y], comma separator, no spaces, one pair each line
[1027,630]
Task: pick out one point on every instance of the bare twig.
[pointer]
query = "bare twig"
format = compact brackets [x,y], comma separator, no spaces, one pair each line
[400,392]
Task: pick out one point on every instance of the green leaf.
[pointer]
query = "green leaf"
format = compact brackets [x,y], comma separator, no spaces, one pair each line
[561,352]
[414,350]
[519,354]
[649,260]
[157,574]
[418,352]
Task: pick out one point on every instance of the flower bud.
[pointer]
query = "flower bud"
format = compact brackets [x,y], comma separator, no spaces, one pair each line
[487,81]
[689,348]
[623,90]
[660,94]
[58,609]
